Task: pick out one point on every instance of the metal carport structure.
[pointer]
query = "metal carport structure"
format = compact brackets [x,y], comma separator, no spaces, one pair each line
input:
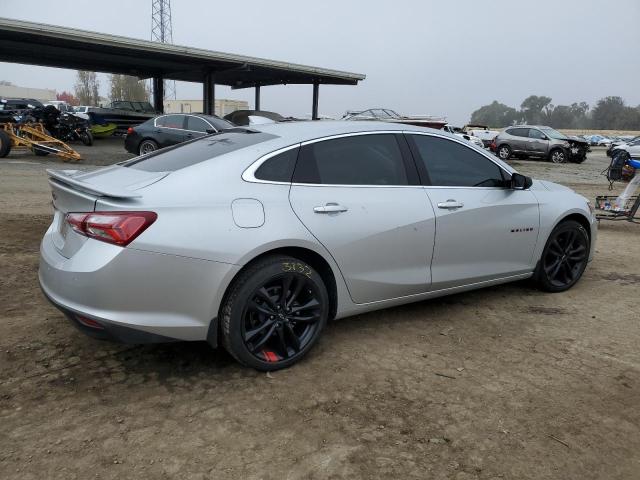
[54,46]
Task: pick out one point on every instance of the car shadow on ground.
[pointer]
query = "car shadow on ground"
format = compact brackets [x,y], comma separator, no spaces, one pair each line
[191,361]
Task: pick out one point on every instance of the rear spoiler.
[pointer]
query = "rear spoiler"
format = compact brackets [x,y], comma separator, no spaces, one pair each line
[63,176]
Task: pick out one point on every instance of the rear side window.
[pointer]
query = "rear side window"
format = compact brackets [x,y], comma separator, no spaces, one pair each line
[355,160]
[278,168]
[170,121]
[190,153]
[519,132]
[449,163]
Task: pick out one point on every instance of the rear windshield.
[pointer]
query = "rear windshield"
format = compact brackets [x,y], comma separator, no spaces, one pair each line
[190,153]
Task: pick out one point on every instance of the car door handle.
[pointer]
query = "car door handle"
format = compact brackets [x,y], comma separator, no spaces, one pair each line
[450,204]
[330,208]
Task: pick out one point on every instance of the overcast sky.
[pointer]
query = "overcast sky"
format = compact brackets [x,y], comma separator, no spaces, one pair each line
[422,57]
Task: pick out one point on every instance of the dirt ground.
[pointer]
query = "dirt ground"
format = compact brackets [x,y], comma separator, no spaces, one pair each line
[501,383]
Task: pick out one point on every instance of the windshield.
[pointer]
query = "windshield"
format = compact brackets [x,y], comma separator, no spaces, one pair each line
[551,133]
[204,148]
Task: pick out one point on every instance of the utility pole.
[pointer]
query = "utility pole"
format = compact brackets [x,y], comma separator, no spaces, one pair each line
[162,31]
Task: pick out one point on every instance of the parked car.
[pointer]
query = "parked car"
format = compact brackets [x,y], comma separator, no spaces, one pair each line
[171,129]
[254,238]
[482,132]
[458,132]
[632,148]
[622,143]
[62,106]
[254,117]
[12,108]
[540,141]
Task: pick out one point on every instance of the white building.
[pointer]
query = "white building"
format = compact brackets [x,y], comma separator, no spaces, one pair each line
[41,94]
[222,107]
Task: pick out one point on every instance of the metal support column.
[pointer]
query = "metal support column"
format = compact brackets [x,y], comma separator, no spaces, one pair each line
[209,94]
[158,94]
[314,108]
[257,102]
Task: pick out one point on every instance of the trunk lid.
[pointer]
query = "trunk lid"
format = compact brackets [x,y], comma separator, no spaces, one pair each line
[78,191]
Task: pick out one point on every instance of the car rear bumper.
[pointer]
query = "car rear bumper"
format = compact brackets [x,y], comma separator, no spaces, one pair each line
[132,143]
[135,296]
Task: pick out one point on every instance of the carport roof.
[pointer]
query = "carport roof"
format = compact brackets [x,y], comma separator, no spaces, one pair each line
[54,46]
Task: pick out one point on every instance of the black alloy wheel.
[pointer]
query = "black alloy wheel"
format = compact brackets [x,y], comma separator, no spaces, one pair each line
[274,313]
[564,258]
[281,317]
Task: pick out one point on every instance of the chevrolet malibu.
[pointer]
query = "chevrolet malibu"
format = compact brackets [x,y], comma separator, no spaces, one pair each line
[254,238]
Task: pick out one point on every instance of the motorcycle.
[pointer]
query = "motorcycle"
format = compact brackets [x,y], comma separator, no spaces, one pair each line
[63,126]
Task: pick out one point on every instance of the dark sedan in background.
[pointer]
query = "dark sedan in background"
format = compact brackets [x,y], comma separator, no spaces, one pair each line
[170,129]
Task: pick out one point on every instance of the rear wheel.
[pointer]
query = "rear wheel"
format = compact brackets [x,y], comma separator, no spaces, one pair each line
[147,146]
[557,155]
[274,313]
[5,144]
[564,257]
[504,152]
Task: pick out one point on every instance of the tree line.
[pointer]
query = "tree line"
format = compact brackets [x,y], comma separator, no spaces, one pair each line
[609,113]
[121,87]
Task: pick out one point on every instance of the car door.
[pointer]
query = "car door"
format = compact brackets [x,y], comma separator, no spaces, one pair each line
[538,145]
[170,130]
[520,140]
[359,195]
[484,229]
[196,127]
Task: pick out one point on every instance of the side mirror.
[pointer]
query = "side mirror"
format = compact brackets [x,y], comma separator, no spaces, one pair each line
[520,182]
[211,130]
[544,137]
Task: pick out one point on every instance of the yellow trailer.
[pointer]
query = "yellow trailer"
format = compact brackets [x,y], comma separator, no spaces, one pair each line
[34,137]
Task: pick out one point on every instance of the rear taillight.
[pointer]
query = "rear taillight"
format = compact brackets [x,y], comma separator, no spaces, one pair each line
[119,228]
[130,131]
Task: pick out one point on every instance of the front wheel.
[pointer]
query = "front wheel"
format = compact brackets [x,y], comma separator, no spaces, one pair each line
[557,156]
[564,257]
[274,313]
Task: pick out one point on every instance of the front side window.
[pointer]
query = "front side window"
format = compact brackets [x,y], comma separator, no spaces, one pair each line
[355,160]
[535,133]
[197,125]
[170,121]
[451,164]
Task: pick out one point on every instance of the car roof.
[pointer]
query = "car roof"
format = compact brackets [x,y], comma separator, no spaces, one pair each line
[301,131]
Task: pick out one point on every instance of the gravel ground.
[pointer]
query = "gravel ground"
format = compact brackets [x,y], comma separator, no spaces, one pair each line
[500,383]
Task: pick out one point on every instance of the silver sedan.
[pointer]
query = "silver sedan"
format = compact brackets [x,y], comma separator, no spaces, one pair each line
[254,238]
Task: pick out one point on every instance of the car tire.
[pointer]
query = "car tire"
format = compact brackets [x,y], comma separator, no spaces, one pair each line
[266,330]
[503,152]
[564,258]
[147,146]
[5,144]
[86,138]
[557,155]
